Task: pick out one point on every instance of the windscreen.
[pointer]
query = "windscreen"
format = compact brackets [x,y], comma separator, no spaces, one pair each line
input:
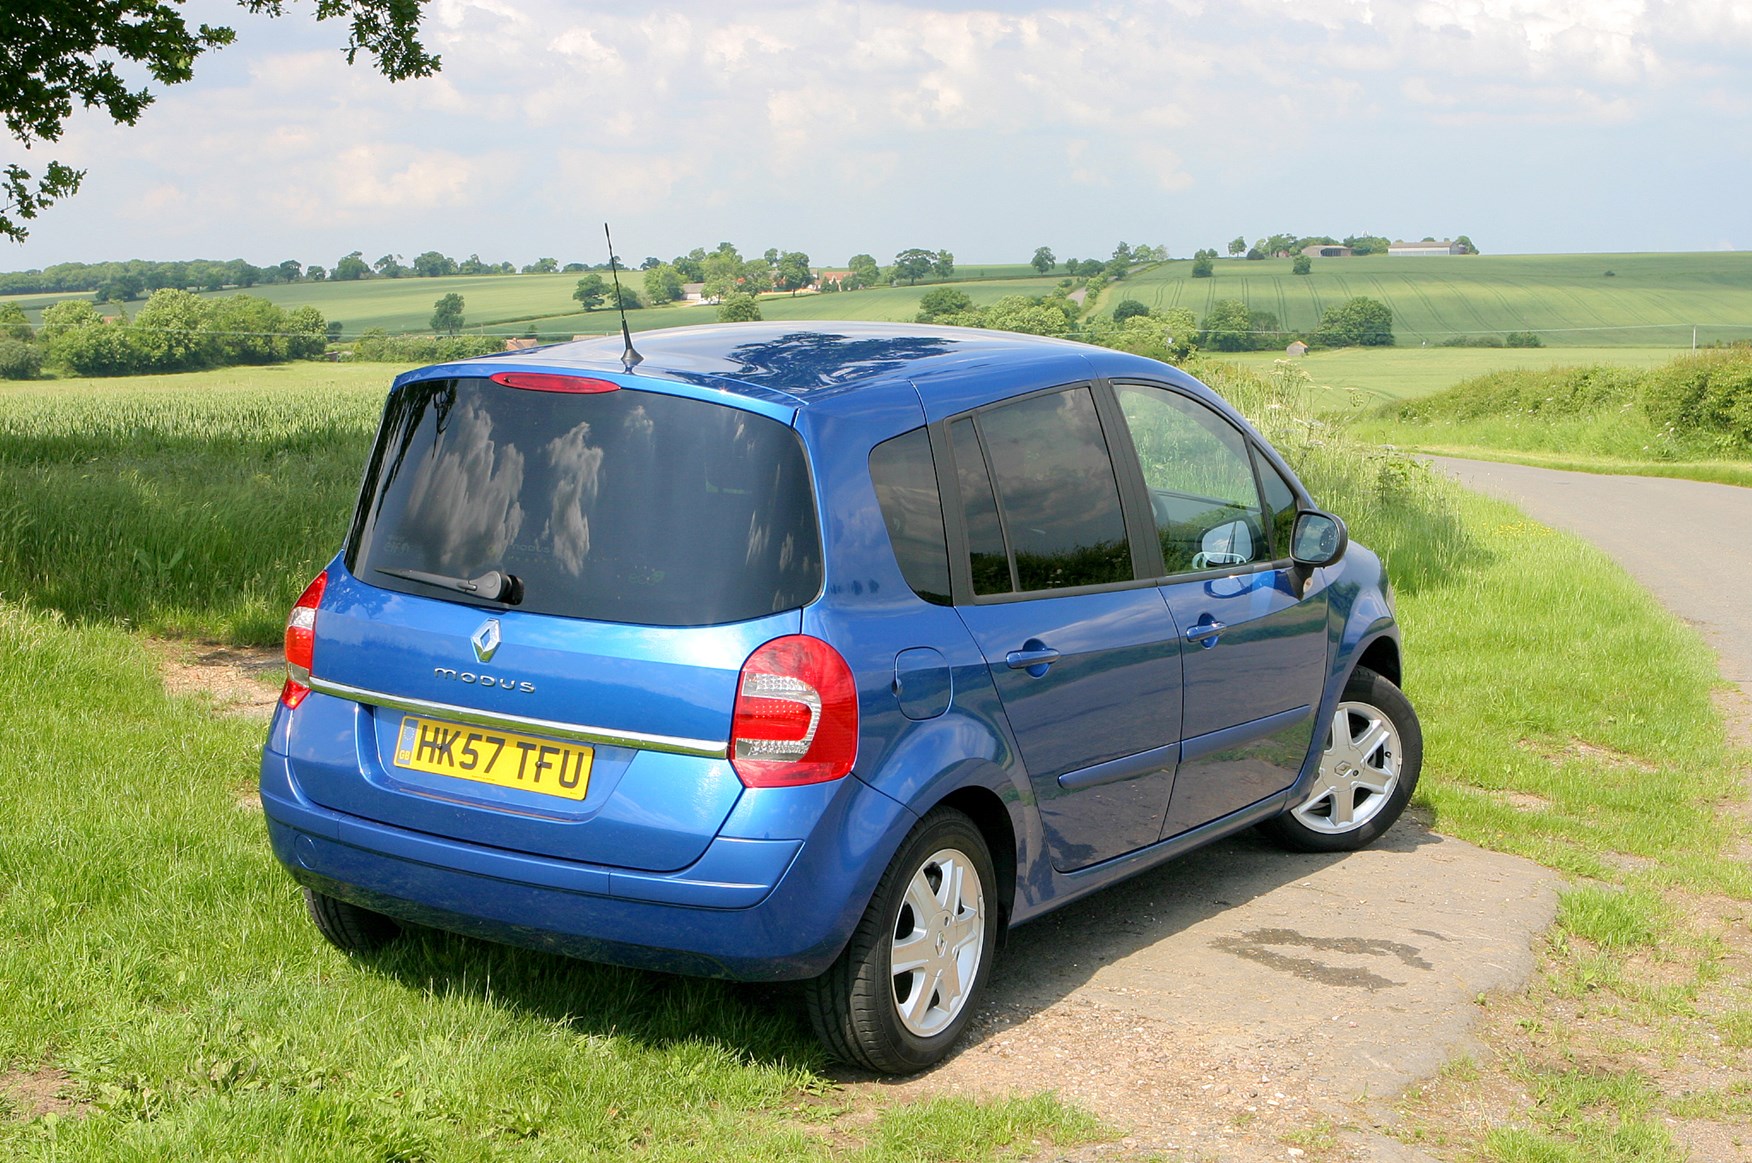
[620,506]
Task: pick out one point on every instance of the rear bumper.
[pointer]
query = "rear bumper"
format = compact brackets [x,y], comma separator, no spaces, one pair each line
[748,909]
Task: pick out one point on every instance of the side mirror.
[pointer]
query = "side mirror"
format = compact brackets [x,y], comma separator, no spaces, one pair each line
[1319,539]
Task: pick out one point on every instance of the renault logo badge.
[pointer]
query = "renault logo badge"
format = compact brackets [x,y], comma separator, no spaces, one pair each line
[486,640]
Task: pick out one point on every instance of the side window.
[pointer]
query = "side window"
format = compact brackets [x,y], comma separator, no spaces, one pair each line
[1200,478]
[1056,490]
[987,555]
[1280,505]
[906,487]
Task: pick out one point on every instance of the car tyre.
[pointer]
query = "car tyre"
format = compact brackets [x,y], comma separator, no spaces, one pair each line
[902,991]
[1368,770]
[348,927]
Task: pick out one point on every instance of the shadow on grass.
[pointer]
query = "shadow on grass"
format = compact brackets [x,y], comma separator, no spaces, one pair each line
[763,1023]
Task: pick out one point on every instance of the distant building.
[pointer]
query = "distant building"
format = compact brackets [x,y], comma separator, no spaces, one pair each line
[521,344]
[1296,348]
[1426,248]
[693,293]
[1327,250]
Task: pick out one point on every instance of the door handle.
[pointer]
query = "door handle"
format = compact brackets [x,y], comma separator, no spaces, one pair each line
[1205,631]
[1033,658]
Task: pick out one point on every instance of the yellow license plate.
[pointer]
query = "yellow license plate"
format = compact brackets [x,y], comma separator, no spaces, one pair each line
[496,757]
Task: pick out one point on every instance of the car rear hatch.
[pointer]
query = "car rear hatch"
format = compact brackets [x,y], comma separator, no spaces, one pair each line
[533,637]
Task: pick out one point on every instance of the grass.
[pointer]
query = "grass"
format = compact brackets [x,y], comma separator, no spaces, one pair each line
[1662,301]
[1689,416]
[159,958]
[195,504]
[1361,377]
[1652,300]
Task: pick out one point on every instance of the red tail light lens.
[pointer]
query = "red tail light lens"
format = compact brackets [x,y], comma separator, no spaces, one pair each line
[796,717]
[301,642]
[544,382]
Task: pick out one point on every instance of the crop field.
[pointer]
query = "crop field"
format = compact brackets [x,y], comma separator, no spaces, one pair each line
[1352,378]
[1649,300]
[1646,301]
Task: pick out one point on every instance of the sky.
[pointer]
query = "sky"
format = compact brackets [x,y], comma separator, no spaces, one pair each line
[987,129]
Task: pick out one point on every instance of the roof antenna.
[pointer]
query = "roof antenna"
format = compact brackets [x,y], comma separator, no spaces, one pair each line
[629,357]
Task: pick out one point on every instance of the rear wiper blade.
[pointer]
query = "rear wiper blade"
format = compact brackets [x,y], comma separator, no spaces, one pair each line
[494,585]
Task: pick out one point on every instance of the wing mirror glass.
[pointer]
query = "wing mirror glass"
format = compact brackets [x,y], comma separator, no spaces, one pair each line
[1228,544]
[1319,539]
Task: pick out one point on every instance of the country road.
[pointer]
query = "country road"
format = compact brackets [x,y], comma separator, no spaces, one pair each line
[1689,543]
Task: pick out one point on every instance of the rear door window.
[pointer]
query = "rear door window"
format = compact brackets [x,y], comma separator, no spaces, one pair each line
[1056,496]
[621,506]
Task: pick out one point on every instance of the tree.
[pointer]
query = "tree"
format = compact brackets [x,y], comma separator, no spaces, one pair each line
[1203,267]
[351,267]
[1302,266]
[1358,322]
[739,307]
[939,302]
[1043,260]
[724,271]
[866,272]
[290,271]
[623,297]
[913,264]
[792,272]
[1238,245]
[1127,309]
[447,314]
[1255,252]
[542,266]
[472,265]
[590,292]
[943,265]
[315,273]
[1467,243]
[59,56]
[14,324]
[432,265]
[1232,326]
[662,284]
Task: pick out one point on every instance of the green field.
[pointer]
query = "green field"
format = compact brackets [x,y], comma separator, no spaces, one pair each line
[1349,378]
[1651,300]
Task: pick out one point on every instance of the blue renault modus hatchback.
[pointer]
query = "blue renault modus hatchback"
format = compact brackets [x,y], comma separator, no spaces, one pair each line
[818,652]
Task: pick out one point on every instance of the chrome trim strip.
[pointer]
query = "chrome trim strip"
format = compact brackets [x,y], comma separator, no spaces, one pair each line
[701,748]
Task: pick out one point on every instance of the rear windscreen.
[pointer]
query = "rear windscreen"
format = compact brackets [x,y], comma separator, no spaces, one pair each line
[621,506]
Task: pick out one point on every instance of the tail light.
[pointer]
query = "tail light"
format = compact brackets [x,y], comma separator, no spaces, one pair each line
[301,642]
[796,717]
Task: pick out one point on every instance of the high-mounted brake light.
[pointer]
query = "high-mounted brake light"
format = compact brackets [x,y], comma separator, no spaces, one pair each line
[301,642]
[796,716]
[545,382]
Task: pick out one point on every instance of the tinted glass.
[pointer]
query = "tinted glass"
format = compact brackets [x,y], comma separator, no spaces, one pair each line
[1060,499]
[623,506]
[905,477]
[987,556]
[1200,477]
[1280,505]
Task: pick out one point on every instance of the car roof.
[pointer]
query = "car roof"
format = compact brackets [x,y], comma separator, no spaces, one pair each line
[824,365]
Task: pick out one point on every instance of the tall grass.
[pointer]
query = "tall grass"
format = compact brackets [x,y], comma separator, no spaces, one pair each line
[195,505]
[1391,502]
[1693,408]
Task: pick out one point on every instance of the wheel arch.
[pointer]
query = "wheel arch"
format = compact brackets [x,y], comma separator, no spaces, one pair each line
[988,813]
[1382,657]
